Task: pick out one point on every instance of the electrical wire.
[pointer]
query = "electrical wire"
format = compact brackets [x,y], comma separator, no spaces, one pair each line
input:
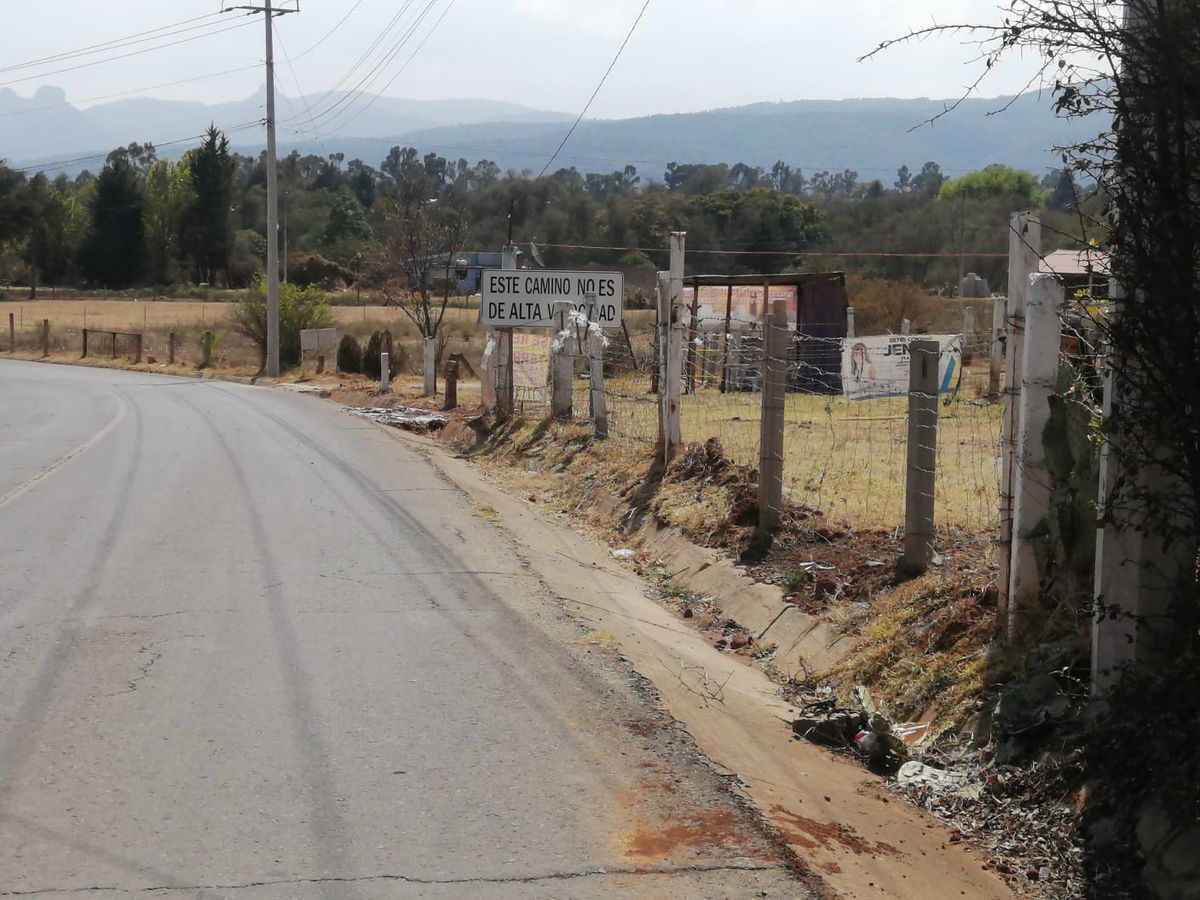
[348,99]
[349,73]
[449,6]
[330,33]
[138,90]
[871,254]
[55,165]
[596,92]
[115,43]
[132,53]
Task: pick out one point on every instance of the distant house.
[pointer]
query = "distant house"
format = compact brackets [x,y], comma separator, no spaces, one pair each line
[1087,269]
[467,272]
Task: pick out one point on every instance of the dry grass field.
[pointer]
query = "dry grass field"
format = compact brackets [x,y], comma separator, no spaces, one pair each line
[845,458]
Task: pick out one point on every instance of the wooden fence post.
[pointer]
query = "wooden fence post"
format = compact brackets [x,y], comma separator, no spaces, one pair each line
[137,347]
[596,375]
[85,344]
[562,366]
[12,334]
[693,333]
[1024,243]
[45,338]
[671,328]
[171,348]
[922,456]
[1031,477]
[774,387]
[451,376]
[725,339]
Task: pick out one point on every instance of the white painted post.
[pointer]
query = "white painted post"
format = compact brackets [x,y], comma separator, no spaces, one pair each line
[968,329]
[1024,243]
[562,366]
[429,365]
[849,321]
[671,326]
[1031,478]
[487,375]
[385,373]
[906,326]
[774,396]
[595,346]
[921,479]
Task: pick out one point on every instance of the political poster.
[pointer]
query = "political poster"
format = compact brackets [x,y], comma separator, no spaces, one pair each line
[878,366]
[531,360]
[748,304]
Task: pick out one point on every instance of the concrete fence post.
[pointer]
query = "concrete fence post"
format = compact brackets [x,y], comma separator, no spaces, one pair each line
[1031,477]
[999,318]
[137,347]
[921,478]
[171,348]
[849,321]
[596,377]
[45,338]
[774,396]
[85,344]
[1024,243]
[429,365]
[562,366]
[671,327]
[906,326]
[12,333]
[487,371]
[968,335]
[385,373]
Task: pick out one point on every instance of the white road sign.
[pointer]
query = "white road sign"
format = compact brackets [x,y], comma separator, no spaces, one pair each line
[527,299]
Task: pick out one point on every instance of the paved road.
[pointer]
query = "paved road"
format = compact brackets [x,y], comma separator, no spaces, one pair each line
[252,646]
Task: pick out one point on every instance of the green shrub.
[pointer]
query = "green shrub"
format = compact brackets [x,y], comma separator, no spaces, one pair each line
[349,354]
[208,346]
[381,342]
[299,309]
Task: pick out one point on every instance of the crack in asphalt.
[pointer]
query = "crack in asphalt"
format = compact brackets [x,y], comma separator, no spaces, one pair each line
[597,872]
[142,675]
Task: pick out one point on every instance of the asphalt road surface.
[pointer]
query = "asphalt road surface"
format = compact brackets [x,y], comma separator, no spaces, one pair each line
[253,646]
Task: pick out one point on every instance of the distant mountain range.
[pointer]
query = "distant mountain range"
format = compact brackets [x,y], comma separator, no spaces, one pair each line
[872,136]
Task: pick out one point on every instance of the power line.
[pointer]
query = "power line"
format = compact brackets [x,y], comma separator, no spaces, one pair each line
[114,44]
[121,56]
[379,39]
[596,92]
[371,76]
[872,254]
[400,71]
[54,165]
[138,90]
[330,33]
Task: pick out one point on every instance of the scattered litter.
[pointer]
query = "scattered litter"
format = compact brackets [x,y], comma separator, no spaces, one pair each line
[408,418]
[941,780]
[624,554]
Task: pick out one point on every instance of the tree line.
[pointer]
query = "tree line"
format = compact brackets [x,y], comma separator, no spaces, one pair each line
[147,220]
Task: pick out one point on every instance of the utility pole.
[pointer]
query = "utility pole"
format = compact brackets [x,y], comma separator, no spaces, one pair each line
[269,13]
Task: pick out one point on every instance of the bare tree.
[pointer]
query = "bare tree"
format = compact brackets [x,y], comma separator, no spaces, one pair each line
[427,227]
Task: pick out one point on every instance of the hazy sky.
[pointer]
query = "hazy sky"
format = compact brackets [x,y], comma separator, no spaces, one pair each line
[686,55]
